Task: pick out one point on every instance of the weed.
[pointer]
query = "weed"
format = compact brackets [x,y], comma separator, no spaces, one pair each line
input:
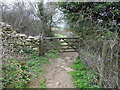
[42,83]
[35,64]
[59,35]
[16,74]
[52,54]
[82,76]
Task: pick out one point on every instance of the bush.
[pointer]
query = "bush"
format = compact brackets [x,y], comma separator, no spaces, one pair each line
[15,74]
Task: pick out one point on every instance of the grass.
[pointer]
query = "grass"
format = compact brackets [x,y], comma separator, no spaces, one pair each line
[59,35]
[36,62]
[82,76]
[17,73]
[42,83]
[52,54]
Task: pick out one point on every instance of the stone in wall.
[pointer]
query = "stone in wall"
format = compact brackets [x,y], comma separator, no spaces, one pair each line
[11,39]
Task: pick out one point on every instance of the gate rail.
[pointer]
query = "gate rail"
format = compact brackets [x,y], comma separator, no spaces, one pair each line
[62,44]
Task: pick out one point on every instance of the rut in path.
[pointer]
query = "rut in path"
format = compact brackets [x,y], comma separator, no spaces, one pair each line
[57,75]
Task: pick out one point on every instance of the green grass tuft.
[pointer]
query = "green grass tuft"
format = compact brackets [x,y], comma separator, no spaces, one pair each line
[82,76]
[17,74]
[52,54]
[42,83]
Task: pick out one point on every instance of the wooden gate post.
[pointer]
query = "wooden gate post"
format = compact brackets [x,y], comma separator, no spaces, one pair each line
[41,47]
[102,72]
[79,45]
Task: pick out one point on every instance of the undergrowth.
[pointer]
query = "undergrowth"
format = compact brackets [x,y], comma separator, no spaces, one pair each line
[17,74]
[59,35]
[52,54]
[82,76]
[42,83]
[35,64]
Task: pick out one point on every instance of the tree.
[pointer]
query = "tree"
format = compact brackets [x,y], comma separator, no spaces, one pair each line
[22,16]
[87,17]
[98,25]
[46,12]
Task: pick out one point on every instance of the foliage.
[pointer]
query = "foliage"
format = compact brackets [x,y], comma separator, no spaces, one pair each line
[59,35]
[82,76]
[22,51]
[19,16]
[52,54]
[46,12]
[15,74]
[96,23]
[35,64]
[42,83]
[92,18]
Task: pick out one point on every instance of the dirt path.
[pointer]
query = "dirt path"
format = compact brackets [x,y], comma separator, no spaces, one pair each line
[57,75]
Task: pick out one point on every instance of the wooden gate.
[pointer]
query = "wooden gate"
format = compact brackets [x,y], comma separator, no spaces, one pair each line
[64,44]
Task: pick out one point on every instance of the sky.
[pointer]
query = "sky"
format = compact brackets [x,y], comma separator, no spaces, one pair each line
[11,1]
[62,24]
[17,0]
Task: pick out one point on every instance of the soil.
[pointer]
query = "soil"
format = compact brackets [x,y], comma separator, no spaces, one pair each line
[56,73]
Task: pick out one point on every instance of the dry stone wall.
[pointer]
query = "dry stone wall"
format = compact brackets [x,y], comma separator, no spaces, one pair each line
[13,41]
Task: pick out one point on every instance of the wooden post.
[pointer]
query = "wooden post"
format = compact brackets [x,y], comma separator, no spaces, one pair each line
[41,42]
[80,45]
[102,72]
[118,63]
